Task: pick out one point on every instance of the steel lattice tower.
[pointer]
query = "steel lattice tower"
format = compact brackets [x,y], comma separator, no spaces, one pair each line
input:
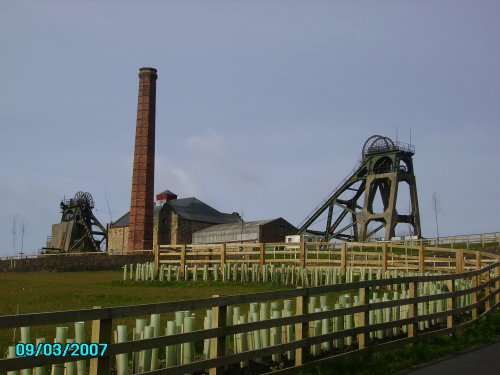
[383,166]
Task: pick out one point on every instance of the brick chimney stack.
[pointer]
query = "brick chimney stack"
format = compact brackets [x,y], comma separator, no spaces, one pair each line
[140,236]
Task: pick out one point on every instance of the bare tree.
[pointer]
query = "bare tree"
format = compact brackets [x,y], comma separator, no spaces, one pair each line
[14,233]
[105,243]
[107,203]
[23,231]
[436,206]
[242,226]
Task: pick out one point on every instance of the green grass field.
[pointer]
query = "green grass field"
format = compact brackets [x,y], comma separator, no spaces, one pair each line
[22,293]
[57,291]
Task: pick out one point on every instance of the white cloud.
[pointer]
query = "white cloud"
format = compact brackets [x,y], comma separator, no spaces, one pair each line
[174,178]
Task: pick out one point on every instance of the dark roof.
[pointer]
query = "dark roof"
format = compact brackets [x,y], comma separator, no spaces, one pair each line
[195,210]
[167,192]
[125,219]
[190,209]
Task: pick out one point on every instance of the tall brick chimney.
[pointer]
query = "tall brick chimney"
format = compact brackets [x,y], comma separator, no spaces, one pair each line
[140,236]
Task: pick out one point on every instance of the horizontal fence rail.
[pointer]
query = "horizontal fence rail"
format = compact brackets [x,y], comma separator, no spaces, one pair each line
[352,256]
[294,328]
[467,241]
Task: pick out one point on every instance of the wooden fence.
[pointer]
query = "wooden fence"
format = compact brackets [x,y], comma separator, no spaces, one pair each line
[483,289]
[346,255]
[466,241]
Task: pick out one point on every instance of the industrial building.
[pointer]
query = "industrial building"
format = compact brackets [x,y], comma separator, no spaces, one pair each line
[174,222]
[274,230]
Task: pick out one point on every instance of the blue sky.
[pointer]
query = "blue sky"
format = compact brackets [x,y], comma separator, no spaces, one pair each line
[262,107]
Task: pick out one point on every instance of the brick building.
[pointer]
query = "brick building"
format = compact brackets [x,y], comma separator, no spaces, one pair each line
[174,221]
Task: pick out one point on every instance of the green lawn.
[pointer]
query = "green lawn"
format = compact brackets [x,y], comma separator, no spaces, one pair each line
[46,291]
[56,291]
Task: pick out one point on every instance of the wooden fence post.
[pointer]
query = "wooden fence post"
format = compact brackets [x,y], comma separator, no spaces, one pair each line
[384,259]
[156,250]
[262,259]
[487,305]
[183,260]
[222,256]
[478,260]
[303,255]
[421,259]
[450,285]
[474,296]
[101,333]
[343,259]
[218,343]
[459,261]
[301,329]
[413,310]
[497,286]
[363,321]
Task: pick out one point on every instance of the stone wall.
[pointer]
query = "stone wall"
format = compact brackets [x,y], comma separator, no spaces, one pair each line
[118,239]
[186,228]
[55,263]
